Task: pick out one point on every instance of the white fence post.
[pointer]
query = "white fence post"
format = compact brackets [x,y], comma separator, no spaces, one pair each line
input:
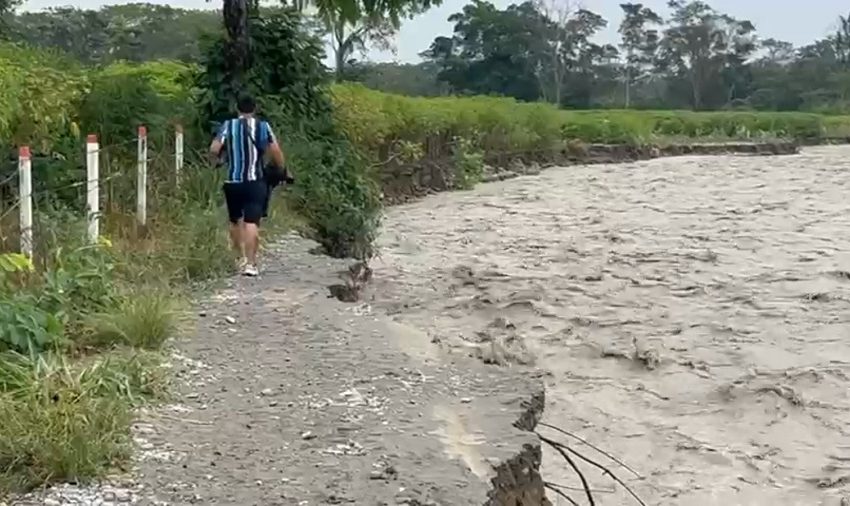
[142,178]
[25,187]
[178,152]
[93,187]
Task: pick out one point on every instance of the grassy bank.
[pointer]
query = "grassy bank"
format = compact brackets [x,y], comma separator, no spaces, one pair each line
[376,121]
[82,327]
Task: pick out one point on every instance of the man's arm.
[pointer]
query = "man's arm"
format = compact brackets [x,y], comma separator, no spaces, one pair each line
[274,149]
[218,142]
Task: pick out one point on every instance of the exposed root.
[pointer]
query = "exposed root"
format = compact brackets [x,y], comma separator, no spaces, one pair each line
[560,449]
[355,278]
[566,452]
[586,443]
[557,490]
[578,489]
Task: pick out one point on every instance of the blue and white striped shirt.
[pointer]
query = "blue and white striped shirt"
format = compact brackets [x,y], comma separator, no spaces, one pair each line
[246,140]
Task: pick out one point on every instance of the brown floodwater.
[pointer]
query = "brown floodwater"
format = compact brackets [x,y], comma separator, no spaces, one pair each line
[693,313]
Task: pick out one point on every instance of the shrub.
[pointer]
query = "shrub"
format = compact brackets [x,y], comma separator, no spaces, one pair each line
[469,164]
[373,120]
[38,90]
[837,126]
[143,321]
[337,197]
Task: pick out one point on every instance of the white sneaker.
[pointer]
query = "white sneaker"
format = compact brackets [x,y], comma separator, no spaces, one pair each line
[250,270]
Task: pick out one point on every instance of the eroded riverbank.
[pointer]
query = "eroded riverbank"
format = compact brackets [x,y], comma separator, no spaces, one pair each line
[692,312]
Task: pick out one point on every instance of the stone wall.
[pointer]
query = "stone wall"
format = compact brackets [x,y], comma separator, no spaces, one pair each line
[403,182]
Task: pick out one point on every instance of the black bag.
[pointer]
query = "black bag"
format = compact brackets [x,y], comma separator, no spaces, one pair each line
[272,174]
[275,175]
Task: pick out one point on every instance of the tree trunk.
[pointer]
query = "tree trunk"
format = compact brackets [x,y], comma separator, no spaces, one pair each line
[696,82]
[340,48]
[628,86]
[238,48]
[557,75]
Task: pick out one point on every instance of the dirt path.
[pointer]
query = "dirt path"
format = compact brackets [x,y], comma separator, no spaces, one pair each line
[288,397]
[693,313]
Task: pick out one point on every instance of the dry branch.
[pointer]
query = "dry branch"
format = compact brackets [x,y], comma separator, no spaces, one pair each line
[560,449]
[586,443]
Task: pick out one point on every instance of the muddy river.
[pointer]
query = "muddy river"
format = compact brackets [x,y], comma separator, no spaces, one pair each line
[693,314]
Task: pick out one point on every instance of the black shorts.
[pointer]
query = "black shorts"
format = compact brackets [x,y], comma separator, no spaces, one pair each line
[246,201]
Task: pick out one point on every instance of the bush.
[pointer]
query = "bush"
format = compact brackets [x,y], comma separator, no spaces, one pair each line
[373,121]
[38,93]
[336,196]
[837,127]
[143,321]
[469,164]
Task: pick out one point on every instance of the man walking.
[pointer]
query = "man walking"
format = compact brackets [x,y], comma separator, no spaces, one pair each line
[247,140]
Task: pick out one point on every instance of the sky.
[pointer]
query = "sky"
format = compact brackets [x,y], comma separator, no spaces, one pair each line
[791,20]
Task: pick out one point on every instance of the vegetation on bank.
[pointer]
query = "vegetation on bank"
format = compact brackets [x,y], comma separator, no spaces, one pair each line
[82,328]
[373,120]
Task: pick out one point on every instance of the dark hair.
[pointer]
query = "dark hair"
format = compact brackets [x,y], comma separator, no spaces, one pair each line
[245,104]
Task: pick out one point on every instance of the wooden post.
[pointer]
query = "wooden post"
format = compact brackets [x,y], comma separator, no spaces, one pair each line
[25,188]
[142,179]
[93,188]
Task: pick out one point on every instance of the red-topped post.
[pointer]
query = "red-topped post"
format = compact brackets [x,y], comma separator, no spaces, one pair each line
[25,189]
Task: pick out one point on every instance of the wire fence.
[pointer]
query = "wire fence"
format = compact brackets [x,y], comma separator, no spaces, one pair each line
[105,177]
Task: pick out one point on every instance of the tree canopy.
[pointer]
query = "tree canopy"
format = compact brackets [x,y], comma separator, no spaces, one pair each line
[690,55]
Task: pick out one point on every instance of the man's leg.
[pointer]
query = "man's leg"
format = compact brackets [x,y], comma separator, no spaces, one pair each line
[252,242]
[236,239]
[234,197]
[254,208]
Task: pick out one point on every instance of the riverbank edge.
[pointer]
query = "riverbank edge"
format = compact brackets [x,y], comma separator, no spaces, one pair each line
[518,480]
[402,183]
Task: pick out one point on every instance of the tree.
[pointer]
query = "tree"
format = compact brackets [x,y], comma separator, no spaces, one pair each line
[418,80]
[778,52]
[7,7]
[135,32]
[493,51]
[353,24]
[639,42]
[706,49]
[552,72]
[582,57]
[841,40]
[348,38]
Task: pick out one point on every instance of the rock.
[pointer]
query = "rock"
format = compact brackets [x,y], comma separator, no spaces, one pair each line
[307,435]
[267,392]
[229,319]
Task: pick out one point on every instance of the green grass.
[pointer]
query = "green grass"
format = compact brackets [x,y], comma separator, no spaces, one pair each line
[68,420]
[144,321]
